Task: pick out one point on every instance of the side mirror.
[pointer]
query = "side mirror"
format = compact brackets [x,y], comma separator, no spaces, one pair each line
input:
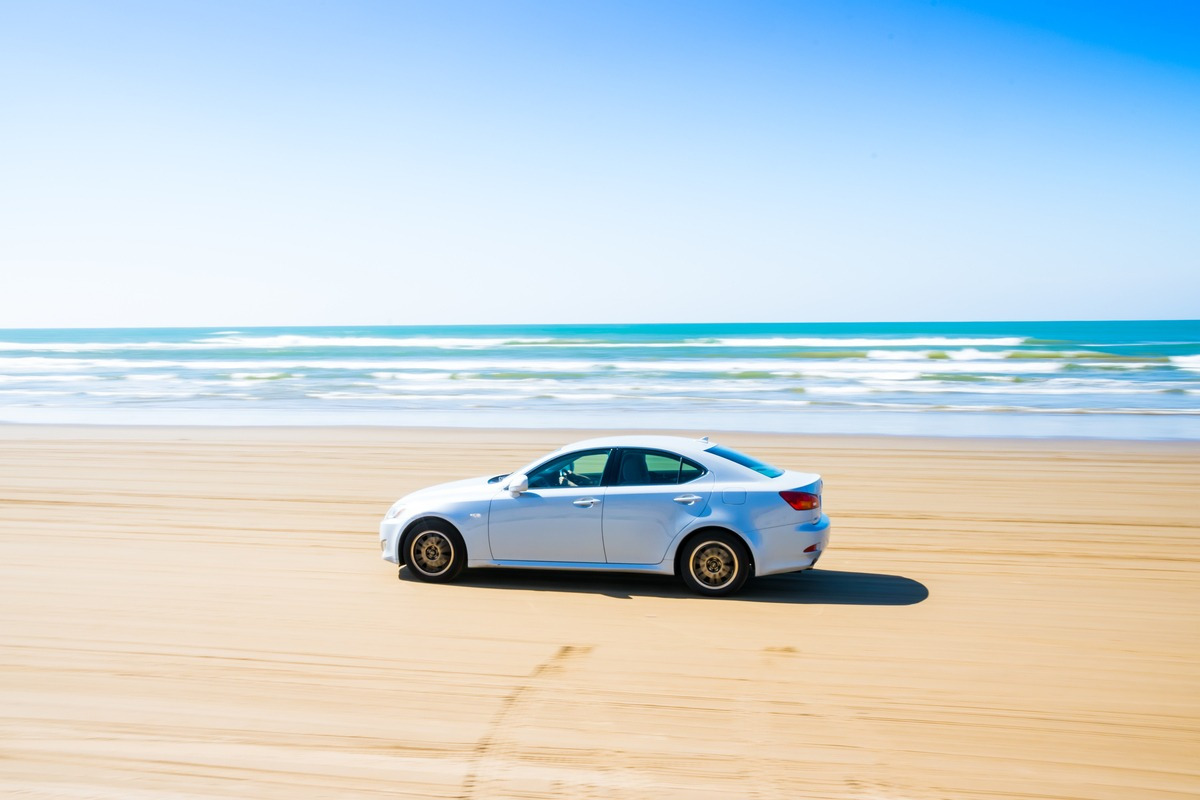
[518,484]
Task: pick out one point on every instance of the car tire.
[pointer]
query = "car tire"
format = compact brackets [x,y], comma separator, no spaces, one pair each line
[434,551]
[714,563]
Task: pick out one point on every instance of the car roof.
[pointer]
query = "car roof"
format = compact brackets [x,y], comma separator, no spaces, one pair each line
[676,444]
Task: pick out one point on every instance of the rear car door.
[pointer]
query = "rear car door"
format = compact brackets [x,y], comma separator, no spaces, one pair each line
[654,495]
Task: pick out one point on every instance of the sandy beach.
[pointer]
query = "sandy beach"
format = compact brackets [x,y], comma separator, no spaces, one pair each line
[202,613]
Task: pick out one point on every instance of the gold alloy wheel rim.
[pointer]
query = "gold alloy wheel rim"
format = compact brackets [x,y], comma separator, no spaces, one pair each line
[714,565]
[431,552]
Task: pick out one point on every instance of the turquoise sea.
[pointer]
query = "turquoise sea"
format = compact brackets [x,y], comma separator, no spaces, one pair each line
[1056,379]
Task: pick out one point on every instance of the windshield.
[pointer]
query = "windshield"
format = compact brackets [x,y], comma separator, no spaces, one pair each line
[745,460]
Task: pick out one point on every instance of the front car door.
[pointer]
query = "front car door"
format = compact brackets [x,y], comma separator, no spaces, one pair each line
[559,518]
[652,497]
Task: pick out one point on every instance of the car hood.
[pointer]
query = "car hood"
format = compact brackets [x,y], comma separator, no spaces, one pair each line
[464,489]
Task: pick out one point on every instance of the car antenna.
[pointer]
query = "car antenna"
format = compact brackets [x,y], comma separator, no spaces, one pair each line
[704,439]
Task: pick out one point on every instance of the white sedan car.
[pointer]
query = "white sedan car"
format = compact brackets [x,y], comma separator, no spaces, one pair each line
[653,504]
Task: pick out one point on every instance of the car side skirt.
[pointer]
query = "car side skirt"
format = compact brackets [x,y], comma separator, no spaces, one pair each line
[665,568]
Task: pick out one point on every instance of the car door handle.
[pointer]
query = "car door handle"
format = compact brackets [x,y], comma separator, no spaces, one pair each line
[688,499]
[586,502]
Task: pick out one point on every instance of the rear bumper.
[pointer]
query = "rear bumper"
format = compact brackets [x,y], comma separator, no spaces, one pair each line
[790,548]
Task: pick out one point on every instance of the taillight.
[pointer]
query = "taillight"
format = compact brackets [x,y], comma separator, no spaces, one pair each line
[802,501]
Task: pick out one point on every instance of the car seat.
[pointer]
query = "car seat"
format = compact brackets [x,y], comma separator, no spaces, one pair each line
[633,470]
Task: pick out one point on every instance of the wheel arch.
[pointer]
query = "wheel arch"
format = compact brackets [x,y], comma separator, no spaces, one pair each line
[690,536]
[424,518]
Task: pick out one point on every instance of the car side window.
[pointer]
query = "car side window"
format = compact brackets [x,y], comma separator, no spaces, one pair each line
[655,468]
[585,468]
[689,471]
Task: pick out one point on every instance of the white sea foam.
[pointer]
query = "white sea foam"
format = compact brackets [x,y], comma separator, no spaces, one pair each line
[281,342]
[474,342]
[1190,363]
[409,368]
[44,363]
[424,396]
[46,378]
[36,392]
[898,355]
[939,387]
[973,354]
[836,342]
[837,390]
[82,347]
[413,376]
[924,407]
[286,341]
[724,401]
[827,342]
[241,341]
[144,395]
[262,376]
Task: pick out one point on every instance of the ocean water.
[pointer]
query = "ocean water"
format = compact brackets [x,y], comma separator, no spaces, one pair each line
[1053,379]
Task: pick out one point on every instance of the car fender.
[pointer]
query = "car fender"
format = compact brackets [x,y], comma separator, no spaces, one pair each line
[468,516]
[719,516]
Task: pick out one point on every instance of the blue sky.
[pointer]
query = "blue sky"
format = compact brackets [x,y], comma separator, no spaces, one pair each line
[246,163]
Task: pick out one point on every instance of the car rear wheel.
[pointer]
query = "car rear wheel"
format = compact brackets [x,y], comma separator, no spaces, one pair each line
[434,551]
[715,563]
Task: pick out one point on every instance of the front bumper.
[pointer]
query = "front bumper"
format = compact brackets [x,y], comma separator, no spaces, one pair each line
[390,531]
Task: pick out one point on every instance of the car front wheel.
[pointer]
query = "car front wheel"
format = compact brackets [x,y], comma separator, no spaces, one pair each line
[434,551]
[715,563]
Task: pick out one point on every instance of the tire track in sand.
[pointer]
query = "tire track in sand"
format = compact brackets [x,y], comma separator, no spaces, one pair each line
[491,749]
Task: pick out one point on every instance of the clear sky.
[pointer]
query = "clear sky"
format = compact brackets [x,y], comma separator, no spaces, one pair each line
[240,163]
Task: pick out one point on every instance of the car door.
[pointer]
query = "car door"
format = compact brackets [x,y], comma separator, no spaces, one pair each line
[652,496]
[559,518]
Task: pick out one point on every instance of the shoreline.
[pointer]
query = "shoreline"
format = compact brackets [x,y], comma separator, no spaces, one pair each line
[568,435]
[933,424]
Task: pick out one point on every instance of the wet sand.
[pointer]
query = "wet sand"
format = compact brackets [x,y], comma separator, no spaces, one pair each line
[202,613]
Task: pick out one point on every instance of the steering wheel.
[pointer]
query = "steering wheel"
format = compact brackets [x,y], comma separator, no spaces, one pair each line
[566,476]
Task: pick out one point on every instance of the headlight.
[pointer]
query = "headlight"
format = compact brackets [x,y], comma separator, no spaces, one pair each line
[396,510]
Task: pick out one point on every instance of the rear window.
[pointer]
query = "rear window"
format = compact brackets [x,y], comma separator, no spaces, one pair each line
[745,460]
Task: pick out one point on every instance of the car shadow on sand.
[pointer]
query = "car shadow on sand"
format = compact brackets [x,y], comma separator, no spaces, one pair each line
[813,587]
